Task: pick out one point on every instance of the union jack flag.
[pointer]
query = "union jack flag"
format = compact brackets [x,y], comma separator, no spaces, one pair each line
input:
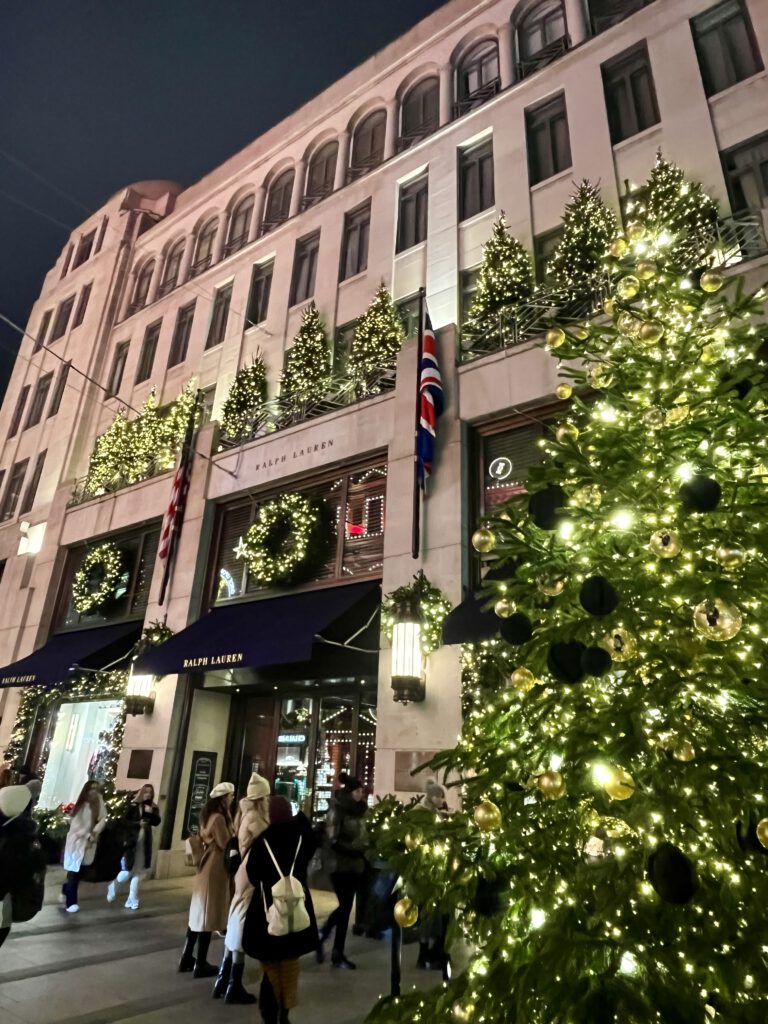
[174,513]
[430,403]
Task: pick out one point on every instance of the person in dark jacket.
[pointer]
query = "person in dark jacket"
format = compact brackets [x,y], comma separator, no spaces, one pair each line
[140,817]
[288,838]
[22,861]
[348,842]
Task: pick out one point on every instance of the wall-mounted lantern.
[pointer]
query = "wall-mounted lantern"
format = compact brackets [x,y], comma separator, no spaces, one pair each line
[140,694]
[407,653]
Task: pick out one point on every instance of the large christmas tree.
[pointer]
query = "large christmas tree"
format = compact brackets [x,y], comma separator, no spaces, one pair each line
[505,278]
[609,866]
[307,373]
[379,335]
[576,266]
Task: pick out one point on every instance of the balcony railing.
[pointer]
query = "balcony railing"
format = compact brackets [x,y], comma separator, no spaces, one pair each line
[290,410]
[270,223]
[414,135]
[311,198]
[360,167]
[200,265]
[235,244]
[528,65]
[603,14]
[477,98]
[81,492]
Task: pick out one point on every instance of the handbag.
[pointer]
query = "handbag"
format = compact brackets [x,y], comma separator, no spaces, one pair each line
[193,851]
[232,858]
[288,913]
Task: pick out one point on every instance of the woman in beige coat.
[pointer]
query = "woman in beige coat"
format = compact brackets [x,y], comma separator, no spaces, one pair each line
[252,819]
[211,894]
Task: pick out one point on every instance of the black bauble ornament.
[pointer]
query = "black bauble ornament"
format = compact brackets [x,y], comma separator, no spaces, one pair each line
[490,898]
[595,661]
[671,874]
[564,661]
[517,629]
[544,506]
[598,596]
[700,494]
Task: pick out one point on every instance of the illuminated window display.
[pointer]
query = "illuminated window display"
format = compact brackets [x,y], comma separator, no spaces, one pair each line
[79,748]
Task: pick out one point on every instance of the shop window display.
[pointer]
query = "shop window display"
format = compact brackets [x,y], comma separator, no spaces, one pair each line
[293,746]
[79,749]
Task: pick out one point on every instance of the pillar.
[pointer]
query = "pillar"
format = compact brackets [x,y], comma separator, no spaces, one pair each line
[575,21]
[506,64]
[342,161]
[446,94]
[390,132]
[154,284]
[258,212]
[221,237]
[186,260]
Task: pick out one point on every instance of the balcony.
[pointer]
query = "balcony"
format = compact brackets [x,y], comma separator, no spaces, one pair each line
[235,244]
[361,167]
[604,14]
[166,287]
[82,493]
[414,135]
[547,55]
[477,98]
[200,265]
[312,198]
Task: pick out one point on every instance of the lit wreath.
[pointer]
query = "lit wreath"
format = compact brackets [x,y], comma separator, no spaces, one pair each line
[96,579]
[288,540]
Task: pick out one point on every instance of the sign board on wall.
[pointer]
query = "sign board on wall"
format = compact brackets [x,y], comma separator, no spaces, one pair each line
[202,773]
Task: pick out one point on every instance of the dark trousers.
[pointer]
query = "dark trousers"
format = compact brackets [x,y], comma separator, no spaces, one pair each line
[4,933]
[345,885]
[70,887]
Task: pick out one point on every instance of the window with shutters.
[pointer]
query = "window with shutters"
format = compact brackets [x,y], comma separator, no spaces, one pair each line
[258,299]
[630,96]
[549,143]
[726,46]
[39,398]
[58,390]
[147,354]
[354,249]
[412,213]
[30,492]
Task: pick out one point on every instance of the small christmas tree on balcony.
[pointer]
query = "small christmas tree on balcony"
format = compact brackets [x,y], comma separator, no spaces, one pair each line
[576,265]
[505,278]
[379,336]
[245,398]
[307,373]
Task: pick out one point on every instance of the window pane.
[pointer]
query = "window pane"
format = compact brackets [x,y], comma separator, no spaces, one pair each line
[58,392]
[31,492]
[561,144]
[258,300]
[18,412]
[219,316]
[334,751]
[82,305]
[147,355]
[42,331]
[38,400]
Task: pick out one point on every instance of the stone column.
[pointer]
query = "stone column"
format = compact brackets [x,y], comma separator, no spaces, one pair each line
[258,212]
[390,132]
[186,259]
[154,284]
[298,187]
[342,161]
[221,237]
[576,21]
[506,63]
[446,94]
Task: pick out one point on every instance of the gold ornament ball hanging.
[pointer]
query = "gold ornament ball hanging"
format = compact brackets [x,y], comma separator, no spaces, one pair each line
[588,496]
[762,832]
[504,608]
[711,352]
[730,556]
[682,750]
[628,287]
[621,785]
[677,414]
[635,231]
[620,644]
[563,392]
[555,337]
[567,432]
[522,679]
[551,785]
[487,816]
[716,619]
[551,586]
[580,333]
[666,544]
[627,323]
[609,307]
[646,270]
[711,281]
[618,248]
[651,332]
[411,842]
[483,540]
[462,1013]
[600,376]
[406,912]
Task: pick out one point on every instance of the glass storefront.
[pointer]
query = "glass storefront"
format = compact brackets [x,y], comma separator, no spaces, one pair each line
[81,741]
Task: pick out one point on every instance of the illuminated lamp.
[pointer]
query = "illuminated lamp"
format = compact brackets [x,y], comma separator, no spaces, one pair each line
[407,654]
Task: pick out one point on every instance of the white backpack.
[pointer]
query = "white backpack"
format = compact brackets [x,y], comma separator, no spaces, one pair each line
[288,913]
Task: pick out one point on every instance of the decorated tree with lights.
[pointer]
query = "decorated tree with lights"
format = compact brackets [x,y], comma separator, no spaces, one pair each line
[505,278]
[245,398]
[307,373]
[610,864]
[576,266]
[379,336]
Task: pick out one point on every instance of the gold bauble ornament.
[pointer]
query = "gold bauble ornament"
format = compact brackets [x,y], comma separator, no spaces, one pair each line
[567,432]
[730,556]
[551,785]
[651,332]
[677,414]
[563,391]
[609,307]
[627,323]
[551,585]
[600,376]
[682,750]
[411,842]
[483,540]
[635,231]
[620,644]
[716,619]
[711,352]
[628,287]
[618,248]
[621,786]
[588,496]
[646,270]
[462,1013]
[711,281]
[555,337]
[522,679]
[504,608]
[666,544]
[406,912]
[487,816]
[762,831]
[580,333]
[653,416]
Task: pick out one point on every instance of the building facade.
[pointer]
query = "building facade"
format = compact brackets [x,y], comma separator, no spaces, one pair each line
[394,174]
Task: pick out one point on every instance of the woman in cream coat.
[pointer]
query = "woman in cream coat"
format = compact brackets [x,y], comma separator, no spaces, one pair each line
[88,820]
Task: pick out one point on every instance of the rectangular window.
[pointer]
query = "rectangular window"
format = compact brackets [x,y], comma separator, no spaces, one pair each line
[102,233]
[746,172]
[543,247]
[218,326]
[61,322]
[13,490]
[84,248]
[412,213]
[354,249]
[725,45]
[468,284]
[507,456]
[147,354]
[18,412]
[475,180]
[630,96]
[206,410]
[305,268]
[39,398]
[34,482]
[82,305]
[181,333]
[118,367]
[258,299]
[67,259]
[342,346]
[42,330]
[409,314]
[549,144]
[58,391]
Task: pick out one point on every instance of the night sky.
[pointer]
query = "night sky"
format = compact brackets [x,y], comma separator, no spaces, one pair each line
[97,94]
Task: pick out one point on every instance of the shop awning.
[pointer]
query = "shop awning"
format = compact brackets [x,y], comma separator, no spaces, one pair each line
[255,634]
[54,662]
[472,620]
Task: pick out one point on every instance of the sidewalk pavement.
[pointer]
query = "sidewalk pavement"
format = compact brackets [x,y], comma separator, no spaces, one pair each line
[108,965]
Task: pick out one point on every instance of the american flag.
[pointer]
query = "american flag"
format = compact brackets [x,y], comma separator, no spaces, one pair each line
[430,403]
[174,513]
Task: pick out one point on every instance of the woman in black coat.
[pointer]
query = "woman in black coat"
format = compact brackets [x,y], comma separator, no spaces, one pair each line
[139,818]
[279,954]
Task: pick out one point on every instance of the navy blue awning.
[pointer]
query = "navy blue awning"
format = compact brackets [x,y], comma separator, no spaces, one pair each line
[254,634]
[472,620]
[52,663]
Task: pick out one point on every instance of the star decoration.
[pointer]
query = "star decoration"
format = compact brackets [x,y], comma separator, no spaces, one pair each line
[240,549]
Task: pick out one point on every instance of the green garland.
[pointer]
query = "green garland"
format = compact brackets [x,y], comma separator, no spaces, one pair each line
[97,577]
[433,604]
[287,541]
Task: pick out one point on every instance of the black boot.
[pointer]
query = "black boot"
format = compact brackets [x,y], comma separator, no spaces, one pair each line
[339,960]
[235,991]
[222,980]
[267,1003]
[187,962]
[202,968]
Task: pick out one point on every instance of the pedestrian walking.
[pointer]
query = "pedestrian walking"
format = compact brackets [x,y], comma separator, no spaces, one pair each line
[211,894]
[89,817]
[22,860]
[140,817]
[251,820]
[278,932]
[348,841]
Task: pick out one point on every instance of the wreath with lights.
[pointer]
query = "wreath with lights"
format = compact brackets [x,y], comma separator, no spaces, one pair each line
[289,540]
[96,579]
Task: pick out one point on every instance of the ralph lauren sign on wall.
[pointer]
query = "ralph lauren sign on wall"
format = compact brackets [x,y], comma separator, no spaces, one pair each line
[296,454]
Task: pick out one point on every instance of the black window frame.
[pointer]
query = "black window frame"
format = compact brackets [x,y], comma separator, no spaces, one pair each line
[355,241]
[408,311]
[417,119]
[13,489]
[544,117]
[206,236]
[173,259]
[117,369]
[30,491]
[18,411]
[368,141]
[84,249]
[624,102]
[708,25]
[468,279]
[306,249]
[39,398]
[317,186]
[343,338]
[475,61]
[140,293]
[148,352]
[412,213]
[42,330]
[277,208]
[242,211]
[542,253]
[61,320]
[259,293]
[58,389]
[217,328]
[182,330]
[82,305]
[472,161]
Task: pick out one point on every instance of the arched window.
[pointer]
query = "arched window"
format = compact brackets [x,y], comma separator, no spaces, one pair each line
[420,112]
[141,290]
[478,76]
[172,267]
[204,247]
[320,174]
[239,224]
[278,200]
[368,144]
[541,36]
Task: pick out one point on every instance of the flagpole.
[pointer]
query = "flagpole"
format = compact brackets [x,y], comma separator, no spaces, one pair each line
[186,455]
[416,528]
